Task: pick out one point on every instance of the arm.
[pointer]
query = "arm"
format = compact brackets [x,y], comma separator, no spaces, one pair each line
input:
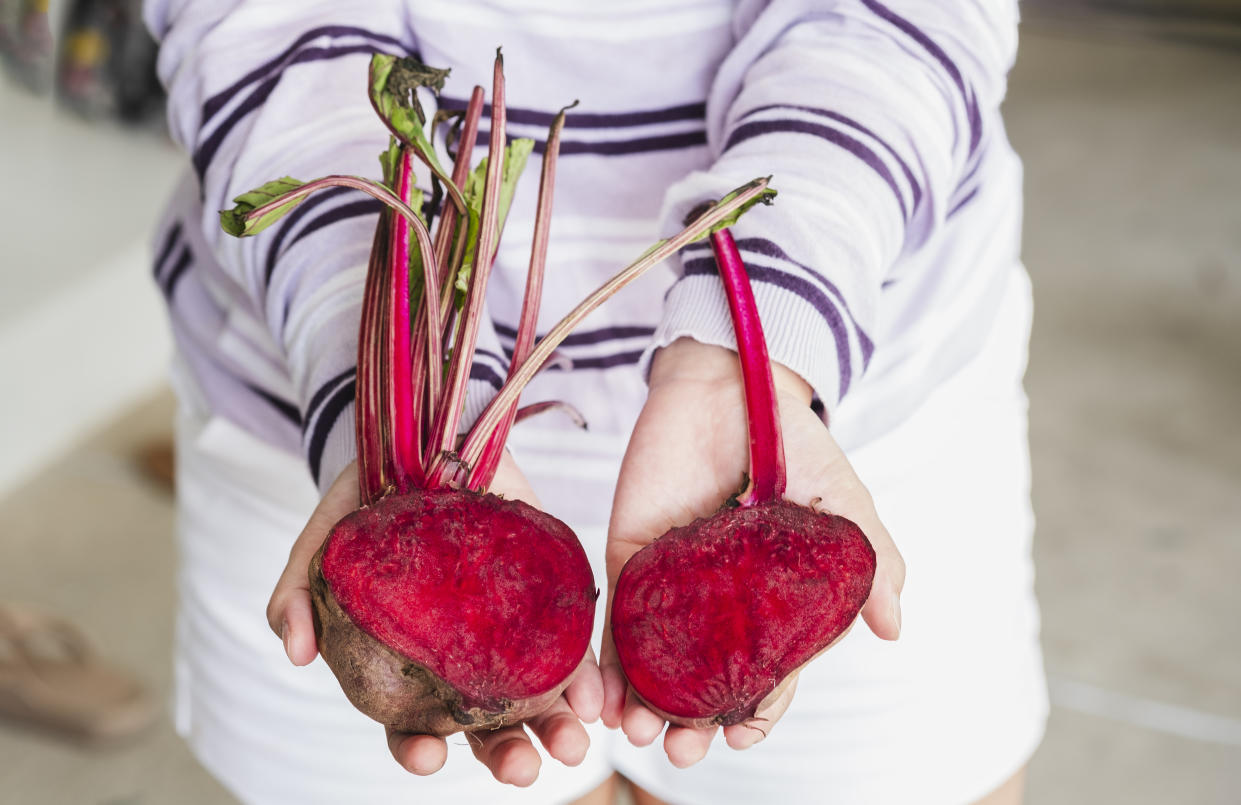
[868,116]
[263,89]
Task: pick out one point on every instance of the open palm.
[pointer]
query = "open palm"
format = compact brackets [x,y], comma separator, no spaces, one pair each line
[507,752]
[687,455]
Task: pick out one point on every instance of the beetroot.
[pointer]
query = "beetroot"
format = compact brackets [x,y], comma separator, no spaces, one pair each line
[441,607]
[710,618]
[503,605]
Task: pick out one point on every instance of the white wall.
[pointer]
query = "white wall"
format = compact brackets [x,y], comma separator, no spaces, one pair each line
[83,334]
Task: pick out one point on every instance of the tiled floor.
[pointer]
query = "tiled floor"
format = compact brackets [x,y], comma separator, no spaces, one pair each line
[1133,235]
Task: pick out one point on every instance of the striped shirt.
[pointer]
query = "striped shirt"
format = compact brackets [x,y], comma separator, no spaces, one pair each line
[877,271]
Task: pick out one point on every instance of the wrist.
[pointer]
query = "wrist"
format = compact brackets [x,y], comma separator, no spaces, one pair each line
[687,360]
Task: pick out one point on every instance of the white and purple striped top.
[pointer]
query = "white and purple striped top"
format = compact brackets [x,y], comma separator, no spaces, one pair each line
[877,271]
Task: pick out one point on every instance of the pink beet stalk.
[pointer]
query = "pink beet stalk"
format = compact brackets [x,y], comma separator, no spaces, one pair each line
[287,200]
[398,400]
[441,467]
[367,416]
[534,409]
[429,351]
[461,171]
[767,475]
[482,473]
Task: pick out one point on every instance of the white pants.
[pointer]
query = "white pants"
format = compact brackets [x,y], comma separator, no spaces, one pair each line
[944,715]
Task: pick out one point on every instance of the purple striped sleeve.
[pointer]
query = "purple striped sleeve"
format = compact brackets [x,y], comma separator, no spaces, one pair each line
[760,128]
[206,151]
[914,186]
[180,265]
[616,147]
[968,96]
[333,406]
[803,289]
[693,112]
[378,42]
[772,250]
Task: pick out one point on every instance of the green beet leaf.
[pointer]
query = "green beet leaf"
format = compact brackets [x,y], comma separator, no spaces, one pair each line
[516,155]
[236,221]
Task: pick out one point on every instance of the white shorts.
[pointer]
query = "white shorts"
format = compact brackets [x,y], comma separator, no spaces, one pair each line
[944,715]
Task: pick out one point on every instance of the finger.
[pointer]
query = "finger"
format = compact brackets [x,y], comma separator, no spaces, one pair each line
[615,685]
[511,482]
[685,746]
[340,499]
[418,754]
[561,733]
[882,610]
[622,707]
[750,732]
[612,677]
[585,692]
[289,611]
[508,753]
[639,723]
[297,630]
[615,688]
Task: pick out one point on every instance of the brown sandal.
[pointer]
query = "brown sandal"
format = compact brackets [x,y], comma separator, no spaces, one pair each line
[50,678]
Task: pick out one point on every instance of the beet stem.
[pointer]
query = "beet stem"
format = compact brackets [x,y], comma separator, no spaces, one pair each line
[767,469]
[460,172]
[534,409]
[484,471]
[448,414]
[371,188]
[428,393]
[367,417]
[480,434]
[397,397]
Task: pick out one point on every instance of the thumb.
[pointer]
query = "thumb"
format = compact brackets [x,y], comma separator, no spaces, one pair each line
[289,611]
[882,610]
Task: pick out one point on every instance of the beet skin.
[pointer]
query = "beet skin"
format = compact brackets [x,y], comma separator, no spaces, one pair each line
[711,617]
[447,610]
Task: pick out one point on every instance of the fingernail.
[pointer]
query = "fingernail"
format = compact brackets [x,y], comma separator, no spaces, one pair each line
[896,613]
[284,638]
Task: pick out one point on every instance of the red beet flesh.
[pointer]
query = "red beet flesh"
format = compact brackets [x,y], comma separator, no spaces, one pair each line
[491,600]
[711,617]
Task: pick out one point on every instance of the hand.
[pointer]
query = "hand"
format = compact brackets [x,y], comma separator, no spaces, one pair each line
[689,452]
[507,752]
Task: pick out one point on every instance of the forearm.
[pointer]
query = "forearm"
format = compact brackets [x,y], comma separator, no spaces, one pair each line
[868,117]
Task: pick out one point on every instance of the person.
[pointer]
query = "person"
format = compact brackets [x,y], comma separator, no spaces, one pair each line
[889,281]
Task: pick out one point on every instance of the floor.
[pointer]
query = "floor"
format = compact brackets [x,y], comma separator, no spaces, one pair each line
[1133,239]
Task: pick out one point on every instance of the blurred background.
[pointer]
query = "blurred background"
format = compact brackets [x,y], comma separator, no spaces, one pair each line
[1128,116]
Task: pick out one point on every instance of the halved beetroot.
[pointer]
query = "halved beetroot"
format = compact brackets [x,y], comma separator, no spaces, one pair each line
[712,616]
[444,610]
